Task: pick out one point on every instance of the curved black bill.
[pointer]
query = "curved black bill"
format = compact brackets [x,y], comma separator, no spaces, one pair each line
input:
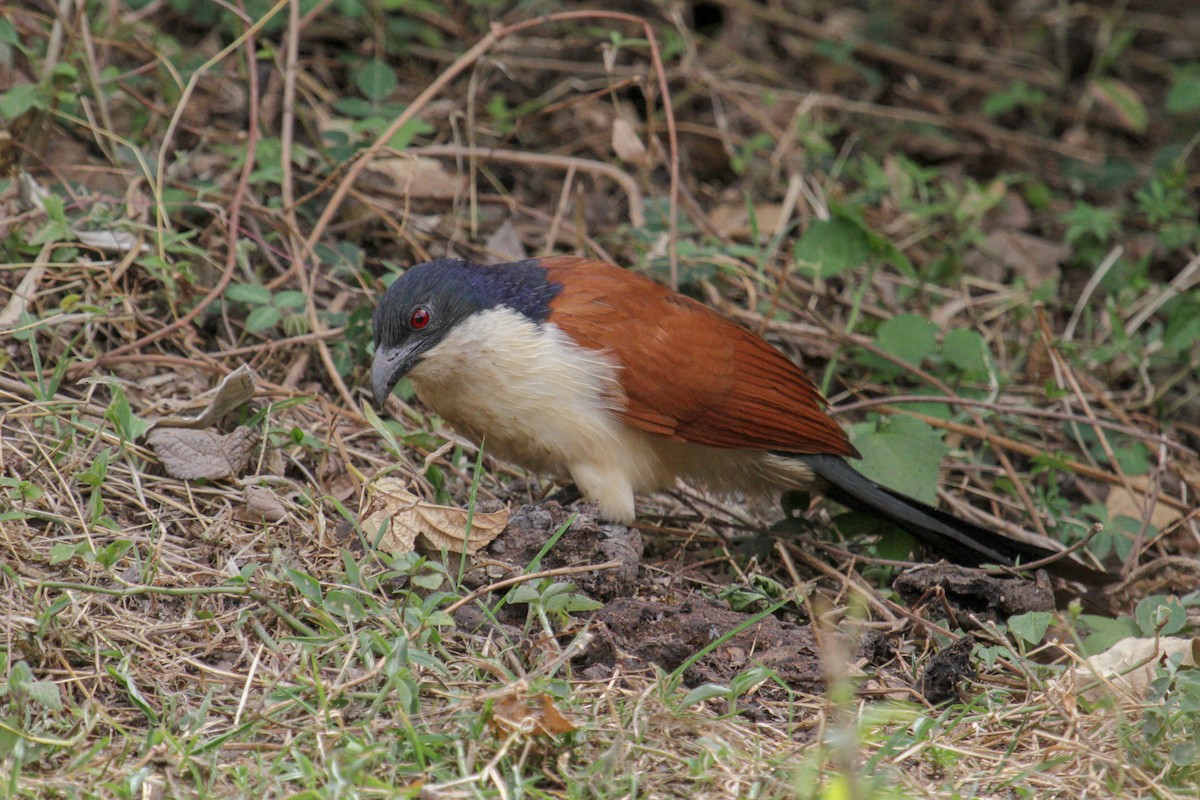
[390,365]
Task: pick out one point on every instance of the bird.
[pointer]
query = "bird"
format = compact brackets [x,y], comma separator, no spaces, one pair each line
[582,369]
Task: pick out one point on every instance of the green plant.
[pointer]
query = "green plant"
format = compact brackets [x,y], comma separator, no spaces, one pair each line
[268,309]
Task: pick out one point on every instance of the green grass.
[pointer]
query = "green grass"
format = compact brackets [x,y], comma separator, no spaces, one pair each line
[980,242]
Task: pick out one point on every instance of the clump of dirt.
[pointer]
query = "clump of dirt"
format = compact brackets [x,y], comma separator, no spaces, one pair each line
[588,540]
[969,596]
[641,632]
[942,678]
[638,632]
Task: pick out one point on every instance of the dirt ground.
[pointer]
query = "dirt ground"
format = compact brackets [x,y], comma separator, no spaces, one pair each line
[191,583]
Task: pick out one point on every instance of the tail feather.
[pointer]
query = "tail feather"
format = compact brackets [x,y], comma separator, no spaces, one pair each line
[950,537]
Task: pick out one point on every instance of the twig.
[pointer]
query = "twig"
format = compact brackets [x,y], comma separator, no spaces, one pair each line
[1052,559]
[637,205]
[235,205]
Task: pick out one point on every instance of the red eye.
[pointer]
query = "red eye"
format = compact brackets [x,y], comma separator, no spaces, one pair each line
[419,319]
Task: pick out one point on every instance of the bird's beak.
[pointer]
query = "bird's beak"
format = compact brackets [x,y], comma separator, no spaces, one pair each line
[390,365]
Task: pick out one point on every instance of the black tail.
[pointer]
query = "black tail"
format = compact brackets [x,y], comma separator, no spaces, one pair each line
[950,537]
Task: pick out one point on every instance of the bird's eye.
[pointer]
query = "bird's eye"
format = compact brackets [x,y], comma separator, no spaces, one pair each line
[420,318]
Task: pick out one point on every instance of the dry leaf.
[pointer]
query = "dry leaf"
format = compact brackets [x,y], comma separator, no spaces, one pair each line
[532,716]
[1129,665]
[190,454]
[234,389]
[1031,257]
[732,220]
[419,178]
[387,500]
[23,295]
[1123,503]
[112,241]
[505,244]
[261,503]
[441,527]
[626,143]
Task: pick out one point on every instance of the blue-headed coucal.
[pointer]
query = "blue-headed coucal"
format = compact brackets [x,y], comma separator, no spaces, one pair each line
[580,368]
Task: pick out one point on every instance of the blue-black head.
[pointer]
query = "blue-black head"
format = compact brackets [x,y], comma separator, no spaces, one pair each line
[429,300]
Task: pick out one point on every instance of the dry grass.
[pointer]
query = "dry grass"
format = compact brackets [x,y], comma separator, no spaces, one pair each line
[161,641]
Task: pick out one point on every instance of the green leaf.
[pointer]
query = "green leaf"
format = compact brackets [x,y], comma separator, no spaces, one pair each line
[111,554]
[428,580]
[1121,98]
[831,246]
[121,674]
[128,425]
[289,298]
[1160,615]
[375,80]
[966,351]
[249,293]
[908,337]
[1031,626]
[262,318]
[1184,95]
[8,33]
[1184,755]
[1019,95]
[307,585]
[1134,458]
[63,551]
[53,231]
[896,544]
[44,693]
[352,107]
[902,453]
[19,99]
[1183,329]
[409,131]
[706,691]
[1106,632]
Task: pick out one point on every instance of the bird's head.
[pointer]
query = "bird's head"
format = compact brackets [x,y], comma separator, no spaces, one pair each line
[430,300]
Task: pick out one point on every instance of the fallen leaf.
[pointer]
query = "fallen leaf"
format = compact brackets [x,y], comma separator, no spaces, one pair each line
[234,389]
[732,220]
[1123,503]
[112,240]
[529,716]
[23,295]
[626,143]
[419,178]
[262,503]
[410,517]
[505,244]
[1129,666]
[1033,258]
[191,454]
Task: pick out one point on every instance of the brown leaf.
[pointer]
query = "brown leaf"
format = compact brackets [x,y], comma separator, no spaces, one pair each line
[441,527]
[1123,503]
[1129,666]
[732,220]
[530,716]
[262,503]
[1035,259]
[235,389]
[505,244]
[625,142]
[190,454]
[419,178]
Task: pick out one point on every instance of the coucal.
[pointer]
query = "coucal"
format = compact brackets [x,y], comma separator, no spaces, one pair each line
[580,368]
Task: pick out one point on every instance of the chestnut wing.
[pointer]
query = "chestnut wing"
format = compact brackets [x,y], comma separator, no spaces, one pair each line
[689,373]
